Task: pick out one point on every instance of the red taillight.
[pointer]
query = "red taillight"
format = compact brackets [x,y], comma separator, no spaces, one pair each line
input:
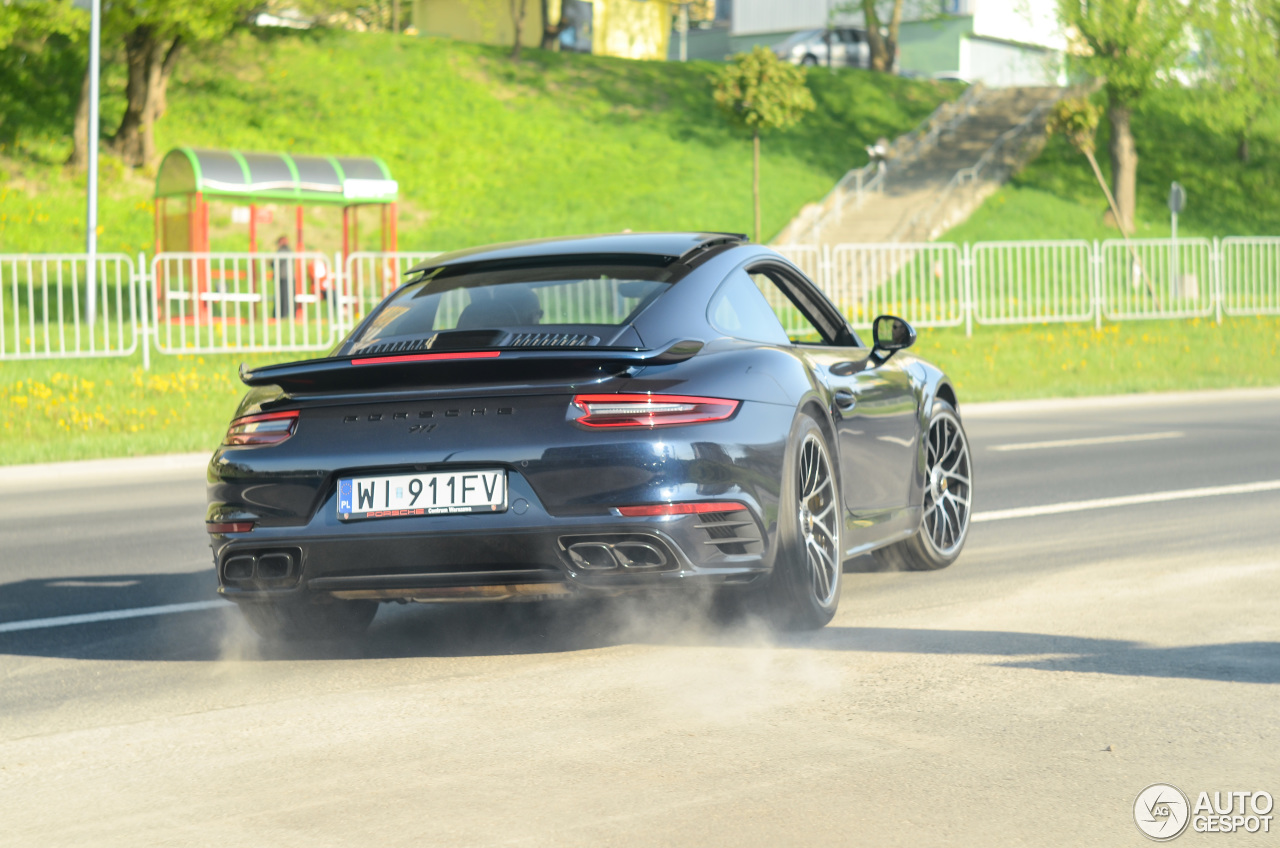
[219,528]
[269,428]
[680,508]
[650,410]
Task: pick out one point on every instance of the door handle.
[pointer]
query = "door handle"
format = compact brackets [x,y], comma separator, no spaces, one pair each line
[845,399]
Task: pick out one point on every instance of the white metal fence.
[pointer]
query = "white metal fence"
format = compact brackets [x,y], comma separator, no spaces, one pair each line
[217,302]
[260,302]
[49,310]
[1249,271]
[368,278]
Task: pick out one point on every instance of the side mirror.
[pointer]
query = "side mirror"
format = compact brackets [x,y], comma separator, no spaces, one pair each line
[891,334]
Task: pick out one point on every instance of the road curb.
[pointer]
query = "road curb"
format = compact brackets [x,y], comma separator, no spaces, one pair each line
[1005,408]
[106,470]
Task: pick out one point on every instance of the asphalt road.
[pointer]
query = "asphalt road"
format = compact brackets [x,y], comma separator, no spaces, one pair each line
[1023,697]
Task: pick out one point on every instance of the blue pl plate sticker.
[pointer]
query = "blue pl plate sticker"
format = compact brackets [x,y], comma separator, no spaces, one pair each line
[344,496]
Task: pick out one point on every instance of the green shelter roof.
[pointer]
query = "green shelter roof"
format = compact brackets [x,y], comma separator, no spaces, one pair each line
[341,180]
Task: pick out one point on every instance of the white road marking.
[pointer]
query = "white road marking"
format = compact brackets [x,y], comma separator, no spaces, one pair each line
[111,615]
[989,515]
[1126,500]
[1095,440]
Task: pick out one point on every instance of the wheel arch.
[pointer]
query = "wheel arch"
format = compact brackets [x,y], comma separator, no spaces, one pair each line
[947,393]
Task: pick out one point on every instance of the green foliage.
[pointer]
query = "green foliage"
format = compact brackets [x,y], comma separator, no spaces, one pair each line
[83,409]
[1240,49]
[205,20]
[1076,120]
[30,23]
[761,92]
[483,150]
[1129,43]
[1179,139]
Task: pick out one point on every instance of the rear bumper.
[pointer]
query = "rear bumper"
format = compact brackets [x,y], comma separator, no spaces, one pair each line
[520,554]
[561,492]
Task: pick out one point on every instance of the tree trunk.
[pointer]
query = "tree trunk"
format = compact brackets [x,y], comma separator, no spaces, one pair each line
[551,32]
[755,179]
[895,24]
[80,129]
[517,23]
[881,60]
[150,61]
[1124,163]
[1242,148]
[160,99]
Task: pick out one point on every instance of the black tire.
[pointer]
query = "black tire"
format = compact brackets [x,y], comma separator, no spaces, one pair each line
[809,60]
[803,591]
[948,499]
[303,621]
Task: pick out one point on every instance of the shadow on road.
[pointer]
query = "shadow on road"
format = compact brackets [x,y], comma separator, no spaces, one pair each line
[1240,662]
[450,630]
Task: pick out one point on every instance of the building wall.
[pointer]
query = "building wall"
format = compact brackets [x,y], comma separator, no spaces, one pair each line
[485,21]
[933,47]
[760,16]
[631,29]
[1000,64]
[1022,21]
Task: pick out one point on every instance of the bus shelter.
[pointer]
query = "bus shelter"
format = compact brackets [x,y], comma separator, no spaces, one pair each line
[190,179]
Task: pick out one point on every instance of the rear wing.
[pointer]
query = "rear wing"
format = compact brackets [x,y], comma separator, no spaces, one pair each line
[459,368]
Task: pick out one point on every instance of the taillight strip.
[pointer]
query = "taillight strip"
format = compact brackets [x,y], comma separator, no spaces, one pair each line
[638,410]
[248,431]
[696,508]
[427,357]
[221,527]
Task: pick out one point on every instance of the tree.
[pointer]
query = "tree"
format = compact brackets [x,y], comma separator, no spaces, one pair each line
[760,92]
[1240,49]
[36,34]
[1076,120]
[517,8]
[153,34]
[29,24]
[883,45]
[1130,44]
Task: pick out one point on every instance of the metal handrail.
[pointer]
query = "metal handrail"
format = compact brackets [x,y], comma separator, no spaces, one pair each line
[924,218]
[904,150]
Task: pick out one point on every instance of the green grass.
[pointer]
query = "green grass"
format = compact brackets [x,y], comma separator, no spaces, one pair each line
[484,150]
[85,409]
[1057,197]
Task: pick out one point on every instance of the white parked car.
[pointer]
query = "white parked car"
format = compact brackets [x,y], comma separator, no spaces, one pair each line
[848,47]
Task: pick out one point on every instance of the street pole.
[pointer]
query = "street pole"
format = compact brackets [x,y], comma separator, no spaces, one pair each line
[91,214]
[683,25]
[1177,199]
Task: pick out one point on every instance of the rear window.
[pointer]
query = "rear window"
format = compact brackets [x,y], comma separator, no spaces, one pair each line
[564,296]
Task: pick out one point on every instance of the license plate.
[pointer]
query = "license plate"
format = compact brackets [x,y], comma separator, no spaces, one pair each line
[447,493]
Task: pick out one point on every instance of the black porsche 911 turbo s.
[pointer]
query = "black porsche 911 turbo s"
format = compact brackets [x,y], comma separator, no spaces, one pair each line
[603,414]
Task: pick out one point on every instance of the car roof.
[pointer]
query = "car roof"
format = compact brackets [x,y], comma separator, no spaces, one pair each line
[673,245]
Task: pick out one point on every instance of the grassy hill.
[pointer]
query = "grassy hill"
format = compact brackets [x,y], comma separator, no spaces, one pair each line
[1056,196]
[484,150]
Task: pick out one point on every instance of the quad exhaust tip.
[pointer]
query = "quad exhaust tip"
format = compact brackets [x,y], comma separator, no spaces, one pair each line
[269,567]
[623,554]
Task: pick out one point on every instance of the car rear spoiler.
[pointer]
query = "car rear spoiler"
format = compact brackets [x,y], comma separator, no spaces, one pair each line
[458,367]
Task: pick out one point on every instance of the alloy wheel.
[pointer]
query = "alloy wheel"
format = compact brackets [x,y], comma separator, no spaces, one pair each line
[948,489]
[819,516]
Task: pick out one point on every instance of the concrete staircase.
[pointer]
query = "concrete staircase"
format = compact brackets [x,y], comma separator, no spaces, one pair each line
[919,197]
